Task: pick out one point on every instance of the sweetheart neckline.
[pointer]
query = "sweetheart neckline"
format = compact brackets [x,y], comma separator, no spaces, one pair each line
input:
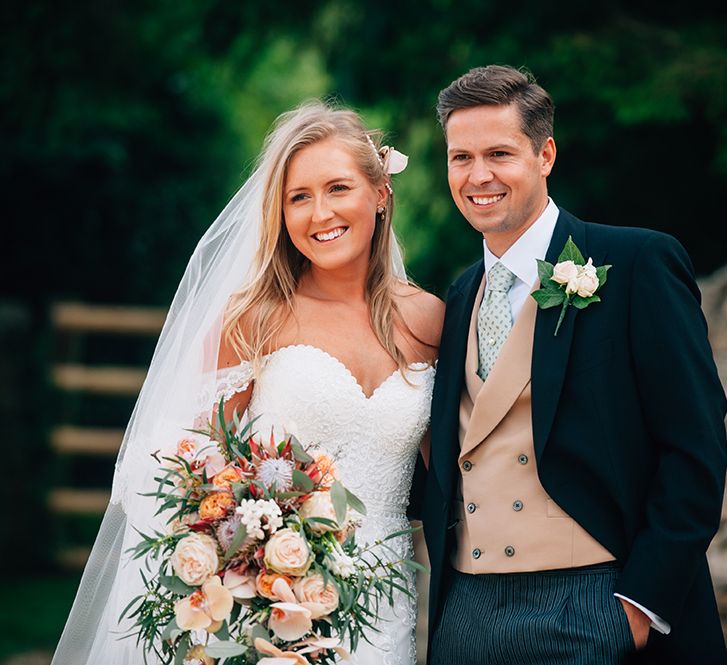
[417,366]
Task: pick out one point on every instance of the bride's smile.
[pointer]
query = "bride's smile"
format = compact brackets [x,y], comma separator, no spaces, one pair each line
[330,236]
[330,206]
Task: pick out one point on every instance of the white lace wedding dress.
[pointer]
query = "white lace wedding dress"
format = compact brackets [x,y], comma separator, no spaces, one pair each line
[374,441]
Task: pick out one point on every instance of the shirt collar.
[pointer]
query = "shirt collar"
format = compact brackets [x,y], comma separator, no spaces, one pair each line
[519,259]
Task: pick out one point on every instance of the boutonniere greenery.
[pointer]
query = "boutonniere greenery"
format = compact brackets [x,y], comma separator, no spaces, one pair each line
[571,281]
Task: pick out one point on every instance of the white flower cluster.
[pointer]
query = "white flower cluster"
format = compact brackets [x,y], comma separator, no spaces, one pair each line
[339,563]
[252,512]
[582,280]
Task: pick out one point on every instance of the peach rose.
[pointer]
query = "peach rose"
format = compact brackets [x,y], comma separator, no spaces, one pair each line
[264,584]
[319,504]
[195,559]
[205,607]
[216,506]
[288,553]
[312,590]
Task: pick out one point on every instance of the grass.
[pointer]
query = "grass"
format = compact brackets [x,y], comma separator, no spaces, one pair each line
[33,611]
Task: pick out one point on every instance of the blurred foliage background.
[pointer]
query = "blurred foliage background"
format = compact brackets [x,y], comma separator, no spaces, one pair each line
[126,126]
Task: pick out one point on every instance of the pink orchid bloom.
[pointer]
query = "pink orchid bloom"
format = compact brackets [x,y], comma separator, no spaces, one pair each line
[214,463]
[289,620]
[278,657]
[241,585]
[316,644]
[205,607]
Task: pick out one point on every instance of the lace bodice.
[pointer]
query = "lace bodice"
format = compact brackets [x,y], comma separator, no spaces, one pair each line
[374,441]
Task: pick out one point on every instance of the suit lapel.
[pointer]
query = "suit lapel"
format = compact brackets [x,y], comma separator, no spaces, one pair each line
[550,352]
[450,375]
[509,375]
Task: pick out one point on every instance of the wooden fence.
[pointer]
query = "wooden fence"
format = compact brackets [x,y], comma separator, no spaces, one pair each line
[75,377]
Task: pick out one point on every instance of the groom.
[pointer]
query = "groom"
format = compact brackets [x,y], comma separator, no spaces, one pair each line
[575,479]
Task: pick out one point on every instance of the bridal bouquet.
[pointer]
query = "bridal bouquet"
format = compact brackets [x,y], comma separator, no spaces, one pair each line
[260,563]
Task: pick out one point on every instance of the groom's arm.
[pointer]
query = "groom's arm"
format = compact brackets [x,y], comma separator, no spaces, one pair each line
[416,493]
[684,406]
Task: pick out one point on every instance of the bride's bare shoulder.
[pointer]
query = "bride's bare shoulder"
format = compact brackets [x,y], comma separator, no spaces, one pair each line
[231,352]
[423,312]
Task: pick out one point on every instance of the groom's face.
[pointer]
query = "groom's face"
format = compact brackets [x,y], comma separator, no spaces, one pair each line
[497,179]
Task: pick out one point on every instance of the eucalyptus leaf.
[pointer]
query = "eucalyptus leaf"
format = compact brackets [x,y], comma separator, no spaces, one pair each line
[298,452]
[414,565]
[175,585]
[355,502]
[259,631]
[236,609]
[302,481]
[289,495]
[339,500]
[223,633]
[182,649]
[322,520]
[238,490]
[237,540]
[171,631]
[225,649]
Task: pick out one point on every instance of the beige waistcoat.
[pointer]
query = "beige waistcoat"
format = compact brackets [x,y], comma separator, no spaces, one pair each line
[506,520]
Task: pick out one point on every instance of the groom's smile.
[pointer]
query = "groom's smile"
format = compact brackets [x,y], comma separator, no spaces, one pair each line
[497,179]
[483,201]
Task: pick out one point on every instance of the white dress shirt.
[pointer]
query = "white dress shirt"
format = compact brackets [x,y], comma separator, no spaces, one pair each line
[520,259]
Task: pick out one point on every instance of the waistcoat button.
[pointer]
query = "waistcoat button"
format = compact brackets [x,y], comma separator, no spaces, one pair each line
[471,508]
[467,465]
[517,506]
[523,459]
[509,551]
[476,553]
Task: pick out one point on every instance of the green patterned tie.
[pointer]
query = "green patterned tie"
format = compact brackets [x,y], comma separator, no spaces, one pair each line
[494,318]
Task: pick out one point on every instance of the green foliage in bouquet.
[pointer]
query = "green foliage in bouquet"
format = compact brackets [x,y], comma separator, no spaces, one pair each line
[259,558]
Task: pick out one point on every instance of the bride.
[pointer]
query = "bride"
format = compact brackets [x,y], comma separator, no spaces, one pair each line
[296,303]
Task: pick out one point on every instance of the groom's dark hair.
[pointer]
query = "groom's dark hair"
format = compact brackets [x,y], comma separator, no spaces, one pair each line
[497,85]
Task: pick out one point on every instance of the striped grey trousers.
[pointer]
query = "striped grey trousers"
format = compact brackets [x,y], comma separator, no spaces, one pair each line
[563,617]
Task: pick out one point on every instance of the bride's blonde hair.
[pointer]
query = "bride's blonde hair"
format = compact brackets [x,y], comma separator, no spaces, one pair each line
[257,313]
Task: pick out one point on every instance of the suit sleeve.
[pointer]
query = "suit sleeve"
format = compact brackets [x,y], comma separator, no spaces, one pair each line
[683,405]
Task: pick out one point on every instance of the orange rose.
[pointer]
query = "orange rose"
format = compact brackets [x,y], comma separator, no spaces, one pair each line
[322,471]
[225,478]
[264,584]
[216,506]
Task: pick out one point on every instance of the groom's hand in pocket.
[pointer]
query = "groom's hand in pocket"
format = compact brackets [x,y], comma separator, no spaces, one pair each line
[638,621]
